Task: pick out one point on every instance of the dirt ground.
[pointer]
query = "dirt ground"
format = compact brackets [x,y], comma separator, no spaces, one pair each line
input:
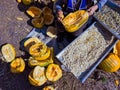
[14,27]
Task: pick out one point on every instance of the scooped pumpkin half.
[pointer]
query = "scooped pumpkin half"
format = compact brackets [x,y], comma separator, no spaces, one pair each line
[31,41]
[48,19]
[17,65]
[46,10]
[34,11]
[32,62]
[8,52]
[53,72]
[38,22]
[43,56]
[38,49]
[48,88]
[38,75]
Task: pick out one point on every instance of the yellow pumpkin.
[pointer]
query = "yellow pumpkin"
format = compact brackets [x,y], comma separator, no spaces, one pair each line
[27,2]
[48,19]
[17,65]
[32,62]
[8,52]
[38,49]
[47,10]
[34,11]
[53,72]
[73,21]
[51,32]
[111,63]
[37,76]
[38,22]
[116,48]
[43,56]
[48,88]
[31,41]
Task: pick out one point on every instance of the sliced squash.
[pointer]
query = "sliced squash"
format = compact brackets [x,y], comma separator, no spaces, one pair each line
[34,11]
[17,65]
[47,10]
[48,88]
[53,72]
[73,21]
[43,56]
[51,32]
[32,62]
[8,52]
[48,19]
[27,2]
[31,41]
[38,22]
[38,49]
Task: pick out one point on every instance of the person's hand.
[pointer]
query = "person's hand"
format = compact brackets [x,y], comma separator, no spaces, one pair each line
[92,9]
[60,15]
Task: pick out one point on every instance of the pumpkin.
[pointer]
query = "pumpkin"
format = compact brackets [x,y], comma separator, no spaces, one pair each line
[73,21]
[31,41]
[38,22]
[53,72]
[51,32]
[111,63]
[116,48]
[32,62]
[27,2]
[43,56]
[46,10]
[8,52]
[37,76]
[48,19]
[38,49]
[17,65]
[34,11]
[48,88]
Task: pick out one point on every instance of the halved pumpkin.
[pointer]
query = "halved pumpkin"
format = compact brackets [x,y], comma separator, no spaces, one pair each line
[53,72]
[48,88]
[31,41]
[38,49]
[17,65]
[111,63]
[47,10]
[39,75]
[8,52]
[34,11]
[51,32]
[73,21]
[48,19]
[43,56]
[32,62]
[27,2]
[38,22]
[116,48]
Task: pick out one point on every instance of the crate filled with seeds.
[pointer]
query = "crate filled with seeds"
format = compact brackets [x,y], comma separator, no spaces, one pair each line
[110,17]
[87,49]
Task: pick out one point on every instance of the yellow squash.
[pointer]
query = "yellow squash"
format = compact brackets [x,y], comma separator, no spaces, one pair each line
[53,72]
[27,2]
[32,62]
[8,52]
[116,48]
[48,88]
[38,49]
[37,76]
[73,21]
[111,63]
[34,11]
[17,65]
[48,19]
[38,22]
[31,41]
[46,10]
